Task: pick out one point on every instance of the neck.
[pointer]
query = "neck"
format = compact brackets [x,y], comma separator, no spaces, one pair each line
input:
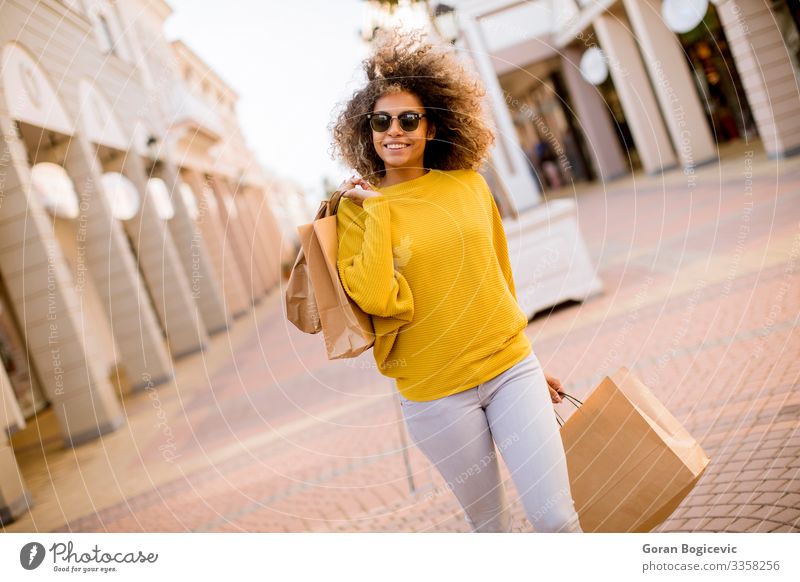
[397,175]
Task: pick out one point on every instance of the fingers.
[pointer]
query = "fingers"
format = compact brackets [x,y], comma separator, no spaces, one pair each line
[354,181]
[553,382]
[349,184]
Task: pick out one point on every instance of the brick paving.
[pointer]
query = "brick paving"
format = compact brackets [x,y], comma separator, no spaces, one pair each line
[701,299]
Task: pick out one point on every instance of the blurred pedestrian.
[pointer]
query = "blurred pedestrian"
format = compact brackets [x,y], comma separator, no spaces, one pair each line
[548,161]
[422,249]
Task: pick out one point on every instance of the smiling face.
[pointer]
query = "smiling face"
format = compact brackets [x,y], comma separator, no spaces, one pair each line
[398,148]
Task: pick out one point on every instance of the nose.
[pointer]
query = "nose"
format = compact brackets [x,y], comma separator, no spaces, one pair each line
[394,127]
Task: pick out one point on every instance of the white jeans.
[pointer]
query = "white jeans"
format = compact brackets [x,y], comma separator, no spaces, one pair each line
[514,408]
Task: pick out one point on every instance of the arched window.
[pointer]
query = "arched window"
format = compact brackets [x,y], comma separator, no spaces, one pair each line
[107,28]
[105,34]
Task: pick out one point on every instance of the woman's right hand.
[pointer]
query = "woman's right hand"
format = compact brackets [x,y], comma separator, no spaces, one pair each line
[357,195]
[554,384]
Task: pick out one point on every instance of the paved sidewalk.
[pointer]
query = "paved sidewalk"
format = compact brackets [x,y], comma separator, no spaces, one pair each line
[262,433]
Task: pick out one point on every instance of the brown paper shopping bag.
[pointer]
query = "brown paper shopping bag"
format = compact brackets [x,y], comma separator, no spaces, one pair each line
[630,461]
[301,306]
[347,330]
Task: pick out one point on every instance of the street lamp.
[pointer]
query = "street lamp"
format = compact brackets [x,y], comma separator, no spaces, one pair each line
[379,15]
[152,147]
[443,18]
[683,15]
[384,14]
[594,66]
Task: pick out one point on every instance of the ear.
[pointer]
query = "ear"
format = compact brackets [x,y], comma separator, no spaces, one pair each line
[431,132]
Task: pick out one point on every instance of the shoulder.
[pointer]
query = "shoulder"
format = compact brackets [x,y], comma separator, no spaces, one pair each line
[463,175]
[475,181]
[466,178]
[349,213]
[347,209]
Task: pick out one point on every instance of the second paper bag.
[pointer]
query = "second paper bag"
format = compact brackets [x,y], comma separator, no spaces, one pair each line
[630,461]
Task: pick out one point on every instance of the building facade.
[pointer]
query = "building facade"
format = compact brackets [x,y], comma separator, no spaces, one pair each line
[660,99]
[130,210]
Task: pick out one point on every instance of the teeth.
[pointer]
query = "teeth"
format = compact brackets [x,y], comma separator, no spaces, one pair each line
[396,146]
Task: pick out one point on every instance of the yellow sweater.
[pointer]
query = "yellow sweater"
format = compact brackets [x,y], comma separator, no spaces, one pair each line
[428,260]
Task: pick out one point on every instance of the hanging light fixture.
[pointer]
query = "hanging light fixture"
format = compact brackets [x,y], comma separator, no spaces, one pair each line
[445,21]
[683,15]
[409,14]
[594,66]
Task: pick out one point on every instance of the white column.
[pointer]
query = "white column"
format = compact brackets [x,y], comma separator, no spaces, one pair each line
[237,240]
[219,250]
[675,88]
[594,119]
[112,266]
[509,159]
[159,263]
[269,236]
[633,87]
[189,243]
[39,284]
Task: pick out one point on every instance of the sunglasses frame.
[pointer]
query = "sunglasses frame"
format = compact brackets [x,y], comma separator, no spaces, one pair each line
[416,119]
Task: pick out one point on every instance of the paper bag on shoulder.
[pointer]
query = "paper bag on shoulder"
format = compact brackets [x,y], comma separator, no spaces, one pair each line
[630,462]
[347,330]
[301,306]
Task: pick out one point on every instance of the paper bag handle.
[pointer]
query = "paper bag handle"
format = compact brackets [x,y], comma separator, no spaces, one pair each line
[333,202]
[572,400]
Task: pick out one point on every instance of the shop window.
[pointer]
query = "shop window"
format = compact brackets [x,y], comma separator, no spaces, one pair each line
[107,29]
[105,33]
[15,359]
[717,80]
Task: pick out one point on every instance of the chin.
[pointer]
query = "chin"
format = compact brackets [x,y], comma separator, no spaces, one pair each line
[405,162]
[397,163]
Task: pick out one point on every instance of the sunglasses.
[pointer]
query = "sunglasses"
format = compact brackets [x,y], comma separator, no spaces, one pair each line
[380,121]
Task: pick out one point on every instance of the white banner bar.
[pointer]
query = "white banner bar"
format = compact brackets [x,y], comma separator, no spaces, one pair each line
[401,557]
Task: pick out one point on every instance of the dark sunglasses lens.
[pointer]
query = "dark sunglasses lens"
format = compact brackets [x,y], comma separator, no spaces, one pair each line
[379,122]
[409,122]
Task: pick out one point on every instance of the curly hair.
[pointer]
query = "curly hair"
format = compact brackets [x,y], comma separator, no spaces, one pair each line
[451,96]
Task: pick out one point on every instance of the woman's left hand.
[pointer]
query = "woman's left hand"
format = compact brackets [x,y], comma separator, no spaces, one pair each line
[357,195]
[554,384]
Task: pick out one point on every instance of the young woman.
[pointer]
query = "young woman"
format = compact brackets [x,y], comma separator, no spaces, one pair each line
[422,249]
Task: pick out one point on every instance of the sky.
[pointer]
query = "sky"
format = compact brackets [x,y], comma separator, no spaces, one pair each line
[292,63]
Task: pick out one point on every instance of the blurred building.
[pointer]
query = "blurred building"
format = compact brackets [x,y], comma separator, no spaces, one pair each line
[130,209]
[656,99]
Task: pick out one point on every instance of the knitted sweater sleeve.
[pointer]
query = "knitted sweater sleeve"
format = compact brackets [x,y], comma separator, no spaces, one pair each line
[365,261]
[499,237]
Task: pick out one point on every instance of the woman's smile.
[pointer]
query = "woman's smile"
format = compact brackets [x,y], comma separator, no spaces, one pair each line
[395,146]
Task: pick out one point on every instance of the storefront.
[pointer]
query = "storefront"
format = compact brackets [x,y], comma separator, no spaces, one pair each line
[13,354]
[718,83]
[546,125]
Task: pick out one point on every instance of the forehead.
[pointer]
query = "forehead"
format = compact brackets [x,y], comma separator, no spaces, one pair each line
[399,102]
